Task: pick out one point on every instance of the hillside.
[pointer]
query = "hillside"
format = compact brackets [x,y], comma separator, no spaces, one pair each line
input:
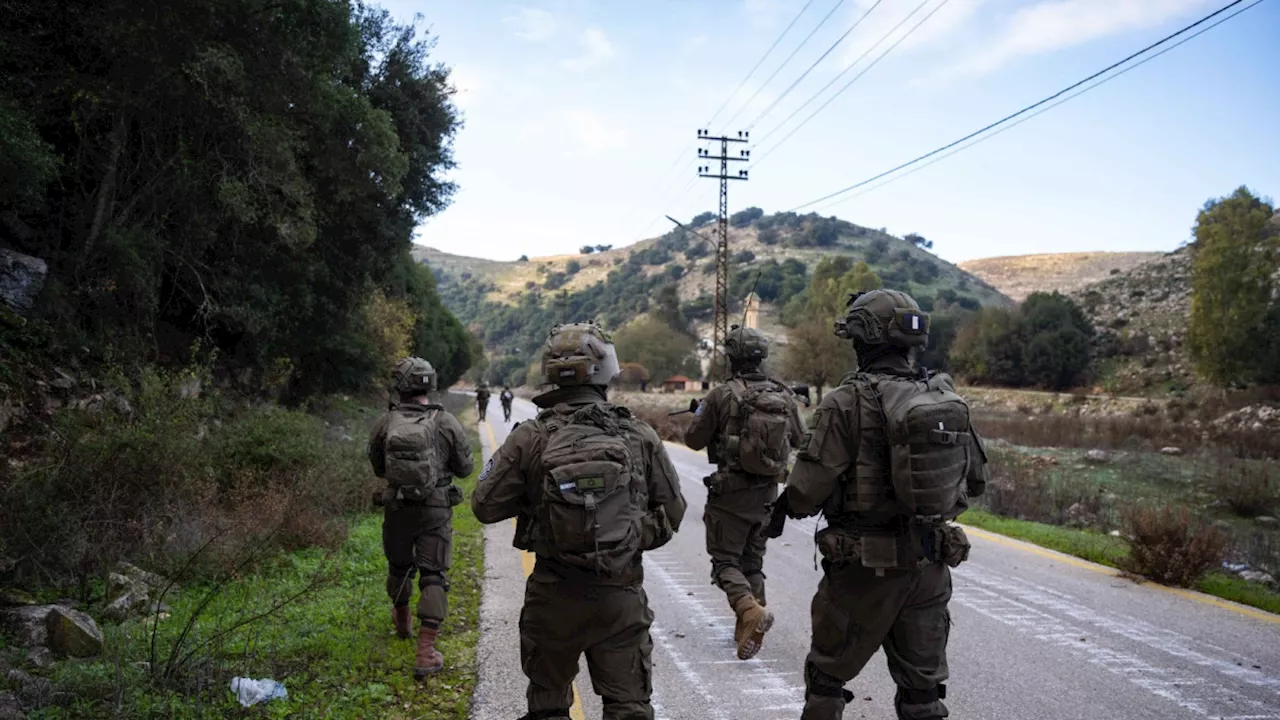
[510,304]
[1141,317]
[1020,275]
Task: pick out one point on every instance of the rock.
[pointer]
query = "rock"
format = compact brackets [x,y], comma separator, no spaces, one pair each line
[1266,520]
[154,582]
[10,709]
[21,280]
[1097,457]
[12,597]
[1170,450]
[125,606]
[73,633]
[27,624]
[1257,576]
[40,657]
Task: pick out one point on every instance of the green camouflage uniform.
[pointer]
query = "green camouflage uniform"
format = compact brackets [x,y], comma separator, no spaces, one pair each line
[418,536]
[856,610]
[568,611]
[737,506]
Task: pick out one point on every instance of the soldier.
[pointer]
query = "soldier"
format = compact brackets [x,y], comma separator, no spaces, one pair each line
[748,426]
[593,488]
[482,399]
[890,459]
[506,397]
[419,448]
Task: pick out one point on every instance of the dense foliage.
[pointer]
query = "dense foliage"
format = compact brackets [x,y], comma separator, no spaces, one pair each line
[246,174]
[1235,318]
[1044,342]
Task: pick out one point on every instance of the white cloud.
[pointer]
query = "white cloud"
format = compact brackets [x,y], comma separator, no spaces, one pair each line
[532,23]
[1058,24]
[596,49]
[593,132]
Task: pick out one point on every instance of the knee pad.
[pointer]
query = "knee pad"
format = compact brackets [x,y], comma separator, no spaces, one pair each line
[823,685]
[433,577]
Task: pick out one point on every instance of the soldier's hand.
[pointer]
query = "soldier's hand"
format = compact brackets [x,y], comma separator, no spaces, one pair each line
[777,517]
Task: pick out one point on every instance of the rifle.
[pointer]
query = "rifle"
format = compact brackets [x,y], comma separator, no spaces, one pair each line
[693,408]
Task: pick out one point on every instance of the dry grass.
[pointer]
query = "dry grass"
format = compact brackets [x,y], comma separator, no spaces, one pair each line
[1249,489]
[1020,275]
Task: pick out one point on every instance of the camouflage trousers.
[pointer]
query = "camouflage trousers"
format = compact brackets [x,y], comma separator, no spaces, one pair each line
[561,621]
[734,521]
[419,539]
[855,612]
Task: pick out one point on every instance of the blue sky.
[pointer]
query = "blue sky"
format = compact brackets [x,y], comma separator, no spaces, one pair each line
[575,109]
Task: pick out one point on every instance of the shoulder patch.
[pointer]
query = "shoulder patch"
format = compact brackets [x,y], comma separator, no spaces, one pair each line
[488,466]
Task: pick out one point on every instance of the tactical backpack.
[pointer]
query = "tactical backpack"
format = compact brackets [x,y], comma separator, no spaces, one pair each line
[926,426]
[593,493]
[414,465]
[759,426]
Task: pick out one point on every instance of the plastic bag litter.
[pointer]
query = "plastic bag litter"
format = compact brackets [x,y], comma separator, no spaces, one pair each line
[251,692]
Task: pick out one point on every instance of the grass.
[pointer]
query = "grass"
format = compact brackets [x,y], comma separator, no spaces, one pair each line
[1113,552]
[332,647]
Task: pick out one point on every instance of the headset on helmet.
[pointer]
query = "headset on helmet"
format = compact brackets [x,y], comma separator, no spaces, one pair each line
[881,317]
[413,376]
[746,344]
[579,354]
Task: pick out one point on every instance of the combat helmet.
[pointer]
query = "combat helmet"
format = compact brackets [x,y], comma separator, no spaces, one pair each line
[746,345]
[413,376]
[579,354]
[884,317]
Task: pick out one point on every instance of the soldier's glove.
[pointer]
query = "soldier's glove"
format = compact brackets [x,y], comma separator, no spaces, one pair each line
[777,516]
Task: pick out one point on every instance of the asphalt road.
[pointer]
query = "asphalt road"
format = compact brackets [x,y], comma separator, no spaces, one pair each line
[1035,635]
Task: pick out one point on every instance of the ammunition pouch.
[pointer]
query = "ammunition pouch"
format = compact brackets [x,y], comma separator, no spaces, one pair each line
[955,545]
[655,529]
[455,495]
[889,550]
[443,494]
[722,482]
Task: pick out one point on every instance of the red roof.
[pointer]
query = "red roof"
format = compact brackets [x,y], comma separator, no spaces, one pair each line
[676,379]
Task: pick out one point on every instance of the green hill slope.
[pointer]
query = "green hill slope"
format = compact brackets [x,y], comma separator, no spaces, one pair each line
[511,305]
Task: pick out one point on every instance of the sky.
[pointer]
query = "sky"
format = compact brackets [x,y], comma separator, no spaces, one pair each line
[581,118]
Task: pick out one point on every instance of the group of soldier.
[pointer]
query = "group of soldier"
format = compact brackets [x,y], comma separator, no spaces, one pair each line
[889,457]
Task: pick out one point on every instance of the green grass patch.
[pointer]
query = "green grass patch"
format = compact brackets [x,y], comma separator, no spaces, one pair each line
[327,637]
[1091,546]
[1112,552]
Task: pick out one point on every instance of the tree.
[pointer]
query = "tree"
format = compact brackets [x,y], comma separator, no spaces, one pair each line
[572,267]
[1233,262]
[652,343]
[702,219]
[522,259]
[603,248]
[814,354]
[633,376]
[587,249]
[743,218]
[667,309]
[919,241]
[989,347]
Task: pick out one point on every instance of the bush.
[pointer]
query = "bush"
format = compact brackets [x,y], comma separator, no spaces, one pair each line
[573,267]
[743,257]
[743,218]
[702,219]
[1250,489]
[1170,546]
[768,236]
[697,250]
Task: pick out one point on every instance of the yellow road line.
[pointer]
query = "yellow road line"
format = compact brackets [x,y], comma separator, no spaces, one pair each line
[526,561]
[1193,595]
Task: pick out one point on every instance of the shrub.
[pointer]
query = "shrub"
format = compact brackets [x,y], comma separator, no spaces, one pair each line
[572,267]
[1170,546]
[697,250]
[742,218]
[1250,489]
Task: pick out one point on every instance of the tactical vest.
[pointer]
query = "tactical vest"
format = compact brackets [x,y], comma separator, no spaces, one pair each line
[757,434]
[415,467]
[593,494]
[913,455]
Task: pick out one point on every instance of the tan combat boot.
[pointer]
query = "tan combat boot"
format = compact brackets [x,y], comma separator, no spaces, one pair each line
[753,622]
[429,660]
[402,620]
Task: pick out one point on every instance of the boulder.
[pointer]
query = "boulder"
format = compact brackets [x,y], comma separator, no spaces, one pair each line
[21,280]
[27,624]
[1170,450]
[1266,520]
[10,708]
[155,583]
[1257,576]
[1097,457]
[12,597]
[73,633]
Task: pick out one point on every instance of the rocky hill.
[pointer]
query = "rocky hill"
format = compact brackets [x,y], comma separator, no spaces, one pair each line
[1141,317]
[500,299]
[1020,275]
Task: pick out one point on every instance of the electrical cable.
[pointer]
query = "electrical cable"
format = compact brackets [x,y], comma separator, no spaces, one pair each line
[1023,111]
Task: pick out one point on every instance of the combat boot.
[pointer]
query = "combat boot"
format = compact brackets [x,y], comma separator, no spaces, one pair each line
[753,622]
[402,619]
[429,660]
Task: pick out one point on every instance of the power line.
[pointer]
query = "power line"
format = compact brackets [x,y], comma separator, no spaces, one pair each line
[857,77]
[1045,109]
[768,80]
[756,67]
[1023,111]
[808,70]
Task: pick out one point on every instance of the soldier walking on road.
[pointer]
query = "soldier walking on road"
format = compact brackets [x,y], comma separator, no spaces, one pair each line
[506,398]
[482,399]
[748,426]
[419,448]
[890,459]
[593,489]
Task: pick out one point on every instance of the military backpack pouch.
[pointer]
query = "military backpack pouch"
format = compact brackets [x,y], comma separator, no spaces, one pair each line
[588,509]
[955,545]
[763,419]
[879,550]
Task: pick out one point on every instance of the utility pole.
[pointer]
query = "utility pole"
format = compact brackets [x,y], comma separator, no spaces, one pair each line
[720,331]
